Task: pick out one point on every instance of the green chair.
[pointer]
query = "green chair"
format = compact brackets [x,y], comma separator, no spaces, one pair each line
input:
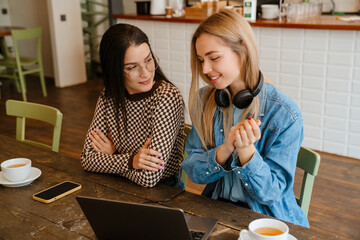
[23,110]
[309,161]
[17,67]
[184,176]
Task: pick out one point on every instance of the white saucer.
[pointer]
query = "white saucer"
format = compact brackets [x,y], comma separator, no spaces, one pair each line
[34,174]
[290,237]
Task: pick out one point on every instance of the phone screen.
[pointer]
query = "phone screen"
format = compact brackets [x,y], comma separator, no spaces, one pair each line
[56,190]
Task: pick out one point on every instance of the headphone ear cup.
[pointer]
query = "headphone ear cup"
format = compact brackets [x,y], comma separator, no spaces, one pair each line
[222,98]
[243,99]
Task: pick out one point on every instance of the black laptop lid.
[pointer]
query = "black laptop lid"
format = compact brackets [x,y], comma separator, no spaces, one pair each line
[123,220]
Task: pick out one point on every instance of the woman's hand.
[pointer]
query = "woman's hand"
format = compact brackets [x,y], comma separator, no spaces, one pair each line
[148,159]
[101,143]
[247,133]
[226,149]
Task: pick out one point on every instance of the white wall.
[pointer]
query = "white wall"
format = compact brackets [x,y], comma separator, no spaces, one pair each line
[5,19]
[67,42]
[129,6]
[33,13]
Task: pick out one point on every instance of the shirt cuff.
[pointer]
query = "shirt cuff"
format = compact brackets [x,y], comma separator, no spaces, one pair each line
[130,162]
[226,167]
[252,166]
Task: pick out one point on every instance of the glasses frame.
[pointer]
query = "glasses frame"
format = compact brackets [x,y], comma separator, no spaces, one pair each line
[142,66]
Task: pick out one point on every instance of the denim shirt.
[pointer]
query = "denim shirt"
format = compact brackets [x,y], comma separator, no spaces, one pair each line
[268,177]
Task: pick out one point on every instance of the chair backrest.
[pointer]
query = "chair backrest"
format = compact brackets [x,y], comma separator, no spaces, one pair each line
[24,34]
[184,176]
[309,161]
[22,110]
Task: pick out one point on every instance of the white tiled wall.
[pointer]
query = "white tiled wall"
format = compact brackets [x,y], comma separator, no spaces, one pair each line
[318,69]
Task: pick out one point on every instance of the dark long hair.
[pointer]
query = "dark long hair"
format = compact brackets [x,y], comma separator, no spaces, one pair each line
[114,43]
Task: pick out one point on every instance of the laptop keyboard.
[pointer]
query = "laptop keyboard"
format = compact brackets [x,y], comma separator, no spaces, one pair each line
[196,235]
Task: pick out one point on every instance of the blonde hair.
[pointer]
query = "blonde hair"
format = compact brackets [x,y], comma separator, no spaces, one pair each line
[236,32]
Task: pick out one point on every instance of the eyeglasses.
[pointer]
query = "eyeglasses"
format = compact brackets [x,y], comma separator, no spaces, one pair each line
[151,64]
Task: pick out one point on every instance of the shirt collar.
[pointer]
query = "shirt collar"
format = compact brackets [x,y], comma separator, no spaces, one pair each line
[142,95]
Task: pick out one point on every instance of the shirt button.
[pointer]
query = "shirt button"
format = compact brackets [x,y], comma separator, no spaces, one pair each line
[246,184]
[221,130]
[216,168]
[207,173]
[238,172]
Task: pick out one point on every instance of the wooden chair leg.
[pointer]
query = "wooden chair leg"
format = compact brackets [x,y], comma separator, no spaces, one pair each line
[16,82]
[42,81]
[23,87]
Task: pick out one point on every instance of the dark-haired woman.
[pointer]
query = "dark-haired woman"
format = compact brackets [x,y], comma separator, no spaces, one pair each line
[246,134]
[138,126]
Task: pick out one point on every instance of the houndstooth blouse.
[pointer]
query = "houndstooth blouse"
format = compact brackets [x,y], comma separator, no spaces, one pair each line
[158,114]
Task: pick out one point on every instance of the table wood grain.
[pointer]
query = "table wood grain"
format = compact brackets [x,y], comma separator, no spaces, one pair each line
[22,217]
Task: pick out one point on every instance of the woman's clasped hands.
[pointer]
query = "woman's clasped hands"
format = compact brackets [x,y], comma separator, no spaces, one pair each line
[246,132]
[146,158]
[241,137]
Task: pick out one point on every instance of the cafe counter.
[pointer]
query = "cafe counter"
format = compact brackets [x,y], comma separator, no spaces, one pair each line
[314,62]
[323,22]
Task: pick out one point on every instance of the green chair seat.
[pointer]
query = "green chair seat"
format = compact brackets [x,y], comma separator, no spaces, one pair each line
[22,110]
[11,62]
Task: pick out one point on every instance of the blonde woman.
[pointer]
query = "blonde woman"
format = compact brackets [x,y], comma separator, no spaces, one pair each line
[246,134]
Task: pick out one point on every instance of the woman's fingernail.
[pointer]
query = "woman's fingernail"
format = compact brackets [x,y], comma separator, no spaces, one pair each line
[163,163]
[160,154]
[249,118]
[161,167]
[257,120]
[156,170]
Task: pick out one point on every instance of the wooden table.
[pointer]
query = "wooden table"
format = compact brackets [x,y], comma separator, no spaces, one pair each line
[21,217]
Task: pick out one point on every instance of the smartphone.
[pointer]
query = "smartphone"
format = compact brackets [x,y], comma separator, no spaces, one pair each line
[57,191]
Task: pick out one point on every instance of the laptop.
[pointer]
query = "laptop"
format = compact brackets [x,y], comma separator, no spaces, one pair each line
[112,219]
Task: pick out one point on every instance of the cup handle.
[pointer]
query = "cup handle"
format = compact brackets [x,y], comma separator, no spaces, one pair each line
[243,232]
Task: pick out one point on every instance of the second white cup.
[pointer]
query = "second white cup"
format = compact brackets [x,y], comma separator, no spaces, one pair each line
[265,229]
[16,169]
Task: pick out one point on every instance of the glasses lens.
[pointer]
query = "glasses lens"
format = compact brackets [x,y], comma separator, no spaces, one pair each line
[150,66]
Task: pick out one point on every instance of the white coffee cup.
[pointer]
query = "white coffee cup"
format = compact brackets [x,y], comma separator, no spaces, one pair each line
[269,11]
[266,226]
[16,169]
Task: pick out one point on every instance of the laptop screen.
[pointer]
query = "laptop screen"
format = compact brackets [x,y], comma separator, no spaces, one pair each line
[112,219]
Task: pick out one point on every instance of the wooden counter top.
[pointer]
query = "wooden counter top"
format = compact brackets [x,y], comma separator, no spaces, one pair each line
[323,22]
